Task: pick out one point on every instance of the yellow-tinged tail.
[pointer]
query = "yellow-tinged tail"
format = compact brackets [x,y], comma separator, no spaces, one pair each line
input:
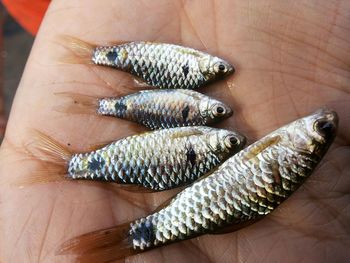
[81,50]
[52,157]
[56,152]
[100,246]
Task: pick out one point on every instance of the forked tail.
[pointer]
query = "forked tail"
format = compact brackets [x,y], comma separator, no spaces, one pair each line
[52,158]
[100,246]
[56,152]
[81,51]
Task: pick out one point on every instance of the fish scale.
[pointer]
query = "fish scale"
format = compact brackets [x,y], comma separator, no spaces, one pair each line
[163,65]
[158,160]
[247,186]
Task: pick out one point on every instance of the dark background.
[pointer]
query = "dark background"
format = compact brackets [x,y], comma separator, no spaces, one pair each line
[15,45]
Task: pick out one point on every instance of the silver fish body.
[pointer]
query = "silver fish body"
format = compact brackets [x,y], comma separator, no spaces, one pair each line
[249,185]
[158,160]
[160,109]
[164,65]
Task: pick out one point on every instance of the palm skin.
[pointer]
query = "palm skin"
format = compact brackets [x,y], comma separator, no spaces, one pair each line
[291,58]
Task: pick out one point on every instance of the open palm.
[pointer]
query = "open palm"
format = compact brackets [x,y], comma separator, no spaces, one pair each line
[291,57]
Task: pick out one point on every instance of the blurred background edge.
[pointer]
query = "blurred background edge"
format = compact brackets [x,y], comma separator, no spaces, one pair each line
[19,22]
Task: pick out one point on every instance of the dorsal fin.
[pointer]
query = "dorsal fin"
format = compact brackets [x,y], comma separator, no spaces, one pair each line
[188,51]
[186,133]
[260,146]
[194,94]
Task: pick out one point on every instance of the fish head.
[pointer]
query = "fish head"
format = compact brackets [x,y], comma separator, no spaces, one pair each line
[214,68]
[313,134]
[213,110]
[225,143]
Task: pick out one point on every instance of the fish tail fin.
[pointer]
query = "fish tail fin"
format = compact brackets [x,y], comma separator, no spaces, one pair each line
[79,103]
[100,246]
[51,158]
[45,174]
[54,151]
[81,50]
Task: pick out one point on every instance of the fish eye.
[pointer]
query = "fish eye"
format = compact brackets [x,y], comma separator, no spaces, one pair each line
[325,128]
[222,67]
[219,110]
[231,141]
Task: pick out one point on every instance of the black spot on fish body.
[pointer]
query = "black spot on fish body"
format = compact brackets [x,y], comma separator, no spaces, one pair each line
[120,106]
[185,112]
[96,164]
[144,232]
[112,56]
[191,156]
[185,69]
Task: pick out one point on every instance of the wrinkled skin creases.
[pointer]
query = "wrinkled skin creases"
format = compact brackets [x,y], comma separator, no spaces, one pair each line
[291,58]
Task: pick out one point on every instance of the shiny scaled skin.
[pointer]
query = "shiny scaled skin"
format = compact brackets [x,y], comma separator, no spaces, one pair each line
[246,187]
[160,109]
[158,160]
[163,65]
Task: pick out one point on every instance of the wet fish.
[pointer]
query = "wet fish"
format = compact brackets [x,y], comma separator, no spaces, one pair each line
[248,186]
[161,65]
[156,109]
[158,160]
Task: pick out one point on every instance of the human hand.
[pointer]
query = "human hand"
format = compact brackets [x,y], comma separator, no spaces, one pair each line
[290,57]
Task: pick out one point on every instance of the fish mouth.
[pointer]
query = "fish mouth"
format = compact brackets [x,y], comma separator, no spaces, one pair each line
[330,115]
[326,125]
[243,140]
[231,70]
[229,112]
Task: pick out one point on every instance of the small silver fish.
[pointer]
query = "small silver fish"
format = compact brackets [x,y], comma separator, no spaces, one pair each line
[248,186]
[159,109]
[158,160]
[159,65]
[155,109]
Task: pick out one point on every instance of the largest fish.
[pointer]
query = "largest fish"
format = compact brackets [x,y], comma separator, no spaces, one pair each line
[159,65]
[245,188]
